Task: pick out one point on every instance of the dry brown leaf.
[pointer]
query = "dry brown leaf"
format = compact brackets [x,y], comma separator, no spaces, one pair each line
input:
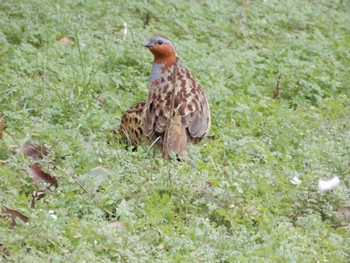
[276,93]
[2,124]
[101,99]
[65,41]
[13,214]
[115,224]
[35,150]
[40,175]
[4,161]
[342,215]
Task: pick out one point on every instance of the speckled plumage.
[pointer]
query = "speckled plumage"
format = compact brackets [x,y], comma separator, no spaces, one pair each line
[176,112]
[185,121]
[132,125]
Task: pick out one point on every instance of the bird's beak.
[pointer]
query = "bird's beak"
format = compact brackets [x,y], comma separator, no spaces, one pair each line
[148,44]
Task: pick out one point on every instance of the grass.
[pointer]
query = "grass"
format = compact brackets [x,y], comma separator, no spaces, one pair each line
[247,194]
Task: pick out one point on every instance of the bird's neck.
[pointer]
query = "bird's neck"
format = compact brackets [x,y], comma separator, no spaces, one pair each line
[156,74]
[162,63]
[157,71]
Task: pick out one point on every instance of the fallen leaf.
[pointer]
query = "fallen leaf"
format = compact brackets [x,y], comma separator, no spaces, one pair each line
[209,184]
[65,41]
[40,175]
[77,235]
[276,93]
[101,99]
[4,161]
[290,224]
[342,215]
[35,150]
[13,214]
[115,224]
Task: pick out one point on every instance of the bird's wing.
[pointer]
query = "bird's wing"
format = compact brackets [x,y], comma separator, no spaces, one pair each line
[132,124]
[192,105]
[189,102]
[157,108]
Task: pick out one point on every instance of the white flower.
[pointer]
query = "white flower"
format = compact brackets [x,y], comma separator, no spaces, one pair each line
[324,185]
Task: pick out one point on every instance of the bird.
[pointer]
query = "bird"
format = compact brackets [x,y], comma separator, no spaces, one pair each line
[176,112]
[132,125]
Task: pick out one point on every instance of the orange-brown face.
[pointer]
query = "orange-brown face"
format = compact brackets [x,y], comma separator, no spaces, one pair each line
[162,49]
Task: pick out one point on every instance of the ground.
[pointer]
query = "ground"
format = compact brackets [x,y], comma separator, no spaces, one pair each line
[276,74]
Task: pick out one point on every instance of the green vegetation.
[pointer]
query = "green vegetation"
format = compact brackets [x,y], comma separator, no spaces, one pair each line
[246,194]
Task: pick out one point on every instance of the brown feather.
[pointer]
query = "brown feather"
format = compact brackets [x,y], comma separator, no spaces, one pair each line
[177,135]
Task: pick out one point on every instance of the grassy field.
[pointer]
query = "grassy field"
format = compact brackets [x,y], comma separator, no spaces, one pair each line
[249,193]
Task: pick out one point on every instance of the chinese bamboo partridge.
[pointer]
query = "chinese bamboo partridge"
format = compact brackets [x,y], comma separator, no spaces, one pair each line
[176,112]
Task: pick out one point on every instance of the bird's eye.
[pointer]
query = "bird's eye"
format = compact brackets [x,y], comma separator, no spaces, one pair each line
[160,42]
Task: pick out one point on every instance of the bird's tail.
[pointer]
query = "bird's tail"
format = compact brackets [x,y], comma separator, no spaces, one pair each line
[175,138]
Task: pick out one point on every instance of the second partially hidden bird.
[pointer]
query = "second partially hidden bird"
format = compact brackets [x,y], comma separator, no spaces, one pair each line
[176,112]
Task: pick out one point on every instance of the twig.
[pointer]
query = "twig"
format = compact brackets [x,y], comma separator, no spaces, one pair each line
[82,187]
[153,143]
[277,91]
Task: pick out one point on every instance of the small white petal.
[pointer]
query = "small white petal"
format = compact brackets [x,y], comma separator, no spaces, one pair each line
[295,180]
[328,184]
[54,217]
[125,30]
